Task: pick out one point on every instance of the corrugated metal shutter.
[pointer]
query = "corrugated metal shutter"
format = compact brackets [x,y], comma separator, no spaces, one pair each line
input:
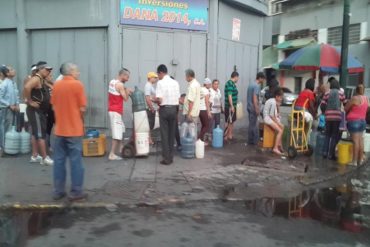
[85,47]
[8,51]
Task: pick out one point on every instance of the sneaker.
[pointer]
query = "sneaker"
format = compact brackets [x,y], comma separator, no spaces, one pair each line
[36,159]
[114,158]
[78,198]
[47,161]
[57,197]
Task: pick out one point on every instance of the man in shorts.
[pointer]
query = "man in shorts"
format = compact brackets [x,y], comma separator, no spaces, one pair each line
[117,95]
[38,100]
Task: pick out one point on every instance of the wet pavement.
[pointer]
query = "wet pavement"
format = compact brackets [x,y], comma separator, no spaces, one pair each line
[261,199]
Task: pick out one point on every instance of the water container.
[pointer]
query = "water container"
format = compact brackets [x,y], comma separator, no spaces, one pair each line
[188,147]
[142,143]
[184,129]
[199,149]
[25,145]
[93,133]
[320,139]
[367,143]
[138,101]
[193,131]
[141,122]
[12,141]
[218,137]
[345,152]
[313,139]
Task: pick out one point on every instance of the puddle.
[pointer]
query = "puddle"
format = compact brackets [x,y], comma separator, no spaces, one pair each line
[345,205]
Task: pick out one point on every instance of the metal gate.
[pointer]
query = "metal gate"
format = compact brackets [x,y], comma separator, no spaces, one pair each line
[88,49]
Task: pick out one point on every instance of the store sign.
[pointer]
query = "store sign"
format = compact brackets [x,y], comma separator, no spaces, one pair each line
[187,14]
[236,29]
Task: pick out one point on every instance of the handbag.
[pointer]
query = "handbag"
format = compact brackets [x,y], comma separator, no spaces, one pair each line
[239,110]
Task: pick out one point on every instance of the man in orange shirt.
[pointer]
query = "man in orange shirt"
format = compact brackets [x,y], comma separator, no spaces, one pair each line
[69,104]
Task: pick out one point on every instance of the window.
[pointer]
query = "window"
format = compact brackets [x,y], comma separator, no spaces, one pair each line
[297,85]
[335,35]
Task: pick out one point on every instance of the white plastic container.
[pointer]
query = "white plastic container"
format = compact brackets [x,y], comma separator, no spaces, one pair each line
[141,122]
[367,143]
[142,144]
[199,149]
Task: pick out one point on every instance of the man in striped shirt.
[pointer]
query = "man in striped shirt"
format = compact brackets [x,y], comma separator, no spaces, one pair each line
[231,100]
[332,104]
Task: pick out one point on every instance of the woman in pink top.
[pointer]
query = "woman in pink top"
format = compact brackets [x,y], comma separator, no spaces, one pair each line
[356,124]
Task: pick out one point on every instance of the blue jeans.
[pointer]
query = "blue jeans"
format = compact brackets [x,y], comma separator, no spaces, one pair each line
[253,128]
[5,122]
[68,147]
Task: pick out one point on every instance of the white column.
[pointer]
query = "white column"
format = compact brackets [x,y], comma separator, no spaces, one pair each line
[363,33]
[22,43]
[212,39]
[322,35]
[281,55]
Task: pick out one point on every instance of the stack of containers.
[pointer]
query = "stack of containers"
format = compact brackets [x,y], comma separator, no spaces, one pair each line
[141,123]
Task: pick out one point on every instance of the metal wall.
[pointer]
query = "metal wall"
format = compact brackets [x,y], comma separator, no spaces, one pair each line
[144,50]
[85,47]
[8,51]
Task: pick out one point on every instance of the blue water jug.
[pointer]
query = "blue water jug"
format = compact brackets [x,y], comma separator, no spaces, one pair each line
[188,147]
[138,101]
[218,137]
[12,141]
[320,139]
[25,145]
[92,133]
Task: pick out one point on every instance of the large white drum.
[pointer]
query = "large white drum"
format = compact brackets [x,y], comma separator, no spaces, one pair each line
[142,143]
[141,122]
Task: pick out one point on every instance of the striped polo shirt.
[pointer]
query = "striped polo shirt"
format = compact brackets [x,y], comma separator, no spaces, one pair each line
[333,101]
[231,89]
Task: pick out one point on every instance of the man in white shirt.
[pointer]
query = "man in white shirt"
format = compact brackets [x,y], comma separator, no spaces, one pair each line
[216,104]
[192,99]
[168,94]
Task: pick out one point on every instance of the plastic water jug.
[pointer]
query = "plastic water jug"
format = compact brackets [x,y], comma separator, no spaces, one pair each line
[184,129]
[217,137]
[138,101]
[188,147]
[142,143]
[367,142]
[141,122]
[193,131]
[345,152]
[12,141]
[92,133]
[25,145]
[320,139]
[199,149]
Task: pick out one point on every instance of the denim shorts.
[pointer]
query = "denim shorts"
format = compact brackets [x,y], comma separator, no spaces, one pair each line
[356,126]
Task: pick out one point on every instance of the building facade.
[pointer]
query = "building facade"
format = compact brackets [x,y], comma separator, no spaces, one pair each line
[102,36]
[322,21]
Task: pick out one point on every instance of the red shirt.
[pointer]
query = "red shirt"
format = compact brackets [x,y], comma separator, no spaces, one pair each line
[115,99]
[303,96]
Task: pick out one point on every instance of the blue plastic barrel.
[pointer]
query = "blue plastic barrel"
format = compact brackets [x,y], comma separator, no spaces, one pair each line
[218,137]
[320,139]
[188,147]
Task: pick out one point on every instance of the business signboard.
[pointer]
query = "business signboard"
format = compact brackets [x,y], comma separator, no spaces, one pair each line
[187,14]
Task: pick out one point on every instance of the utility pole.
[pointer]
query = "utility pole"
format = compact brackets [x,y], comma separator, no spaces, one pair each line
[345,37]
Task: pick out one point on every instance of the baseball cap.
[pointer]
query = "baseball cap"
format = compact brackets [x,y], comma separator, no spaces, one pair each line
[33,67]
[43,65]
[207,81]
[152,75]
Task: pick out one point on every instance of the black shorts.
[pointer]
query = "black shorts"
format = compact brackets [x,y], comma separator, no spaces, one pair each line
[38,122]
[230,117]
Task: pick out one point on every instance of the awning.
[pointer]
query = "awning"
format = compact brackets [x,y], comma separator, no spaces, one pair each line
[270,58]
[296,43]
[366,38]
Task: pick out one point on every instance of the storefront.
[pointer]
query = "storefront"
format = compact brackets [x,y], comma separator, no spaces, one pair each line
[212,37]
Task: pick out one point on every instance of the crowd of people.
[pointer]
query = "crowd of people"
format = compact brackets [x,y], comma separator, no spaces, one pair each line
[60,105]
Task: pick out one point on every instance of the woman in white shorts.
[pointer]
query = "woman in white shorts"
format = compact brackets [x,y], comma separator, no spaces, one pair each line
[271,117]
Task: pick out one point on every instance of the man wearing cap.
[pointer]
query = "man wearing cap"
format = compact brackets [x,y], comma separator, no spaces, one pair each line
[37,97]
[117,94]
[253,107]
[151,100]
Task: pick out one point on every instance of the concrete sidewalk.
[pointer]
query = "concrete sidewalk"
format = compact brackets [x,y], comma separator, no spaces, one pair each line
[236,172]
